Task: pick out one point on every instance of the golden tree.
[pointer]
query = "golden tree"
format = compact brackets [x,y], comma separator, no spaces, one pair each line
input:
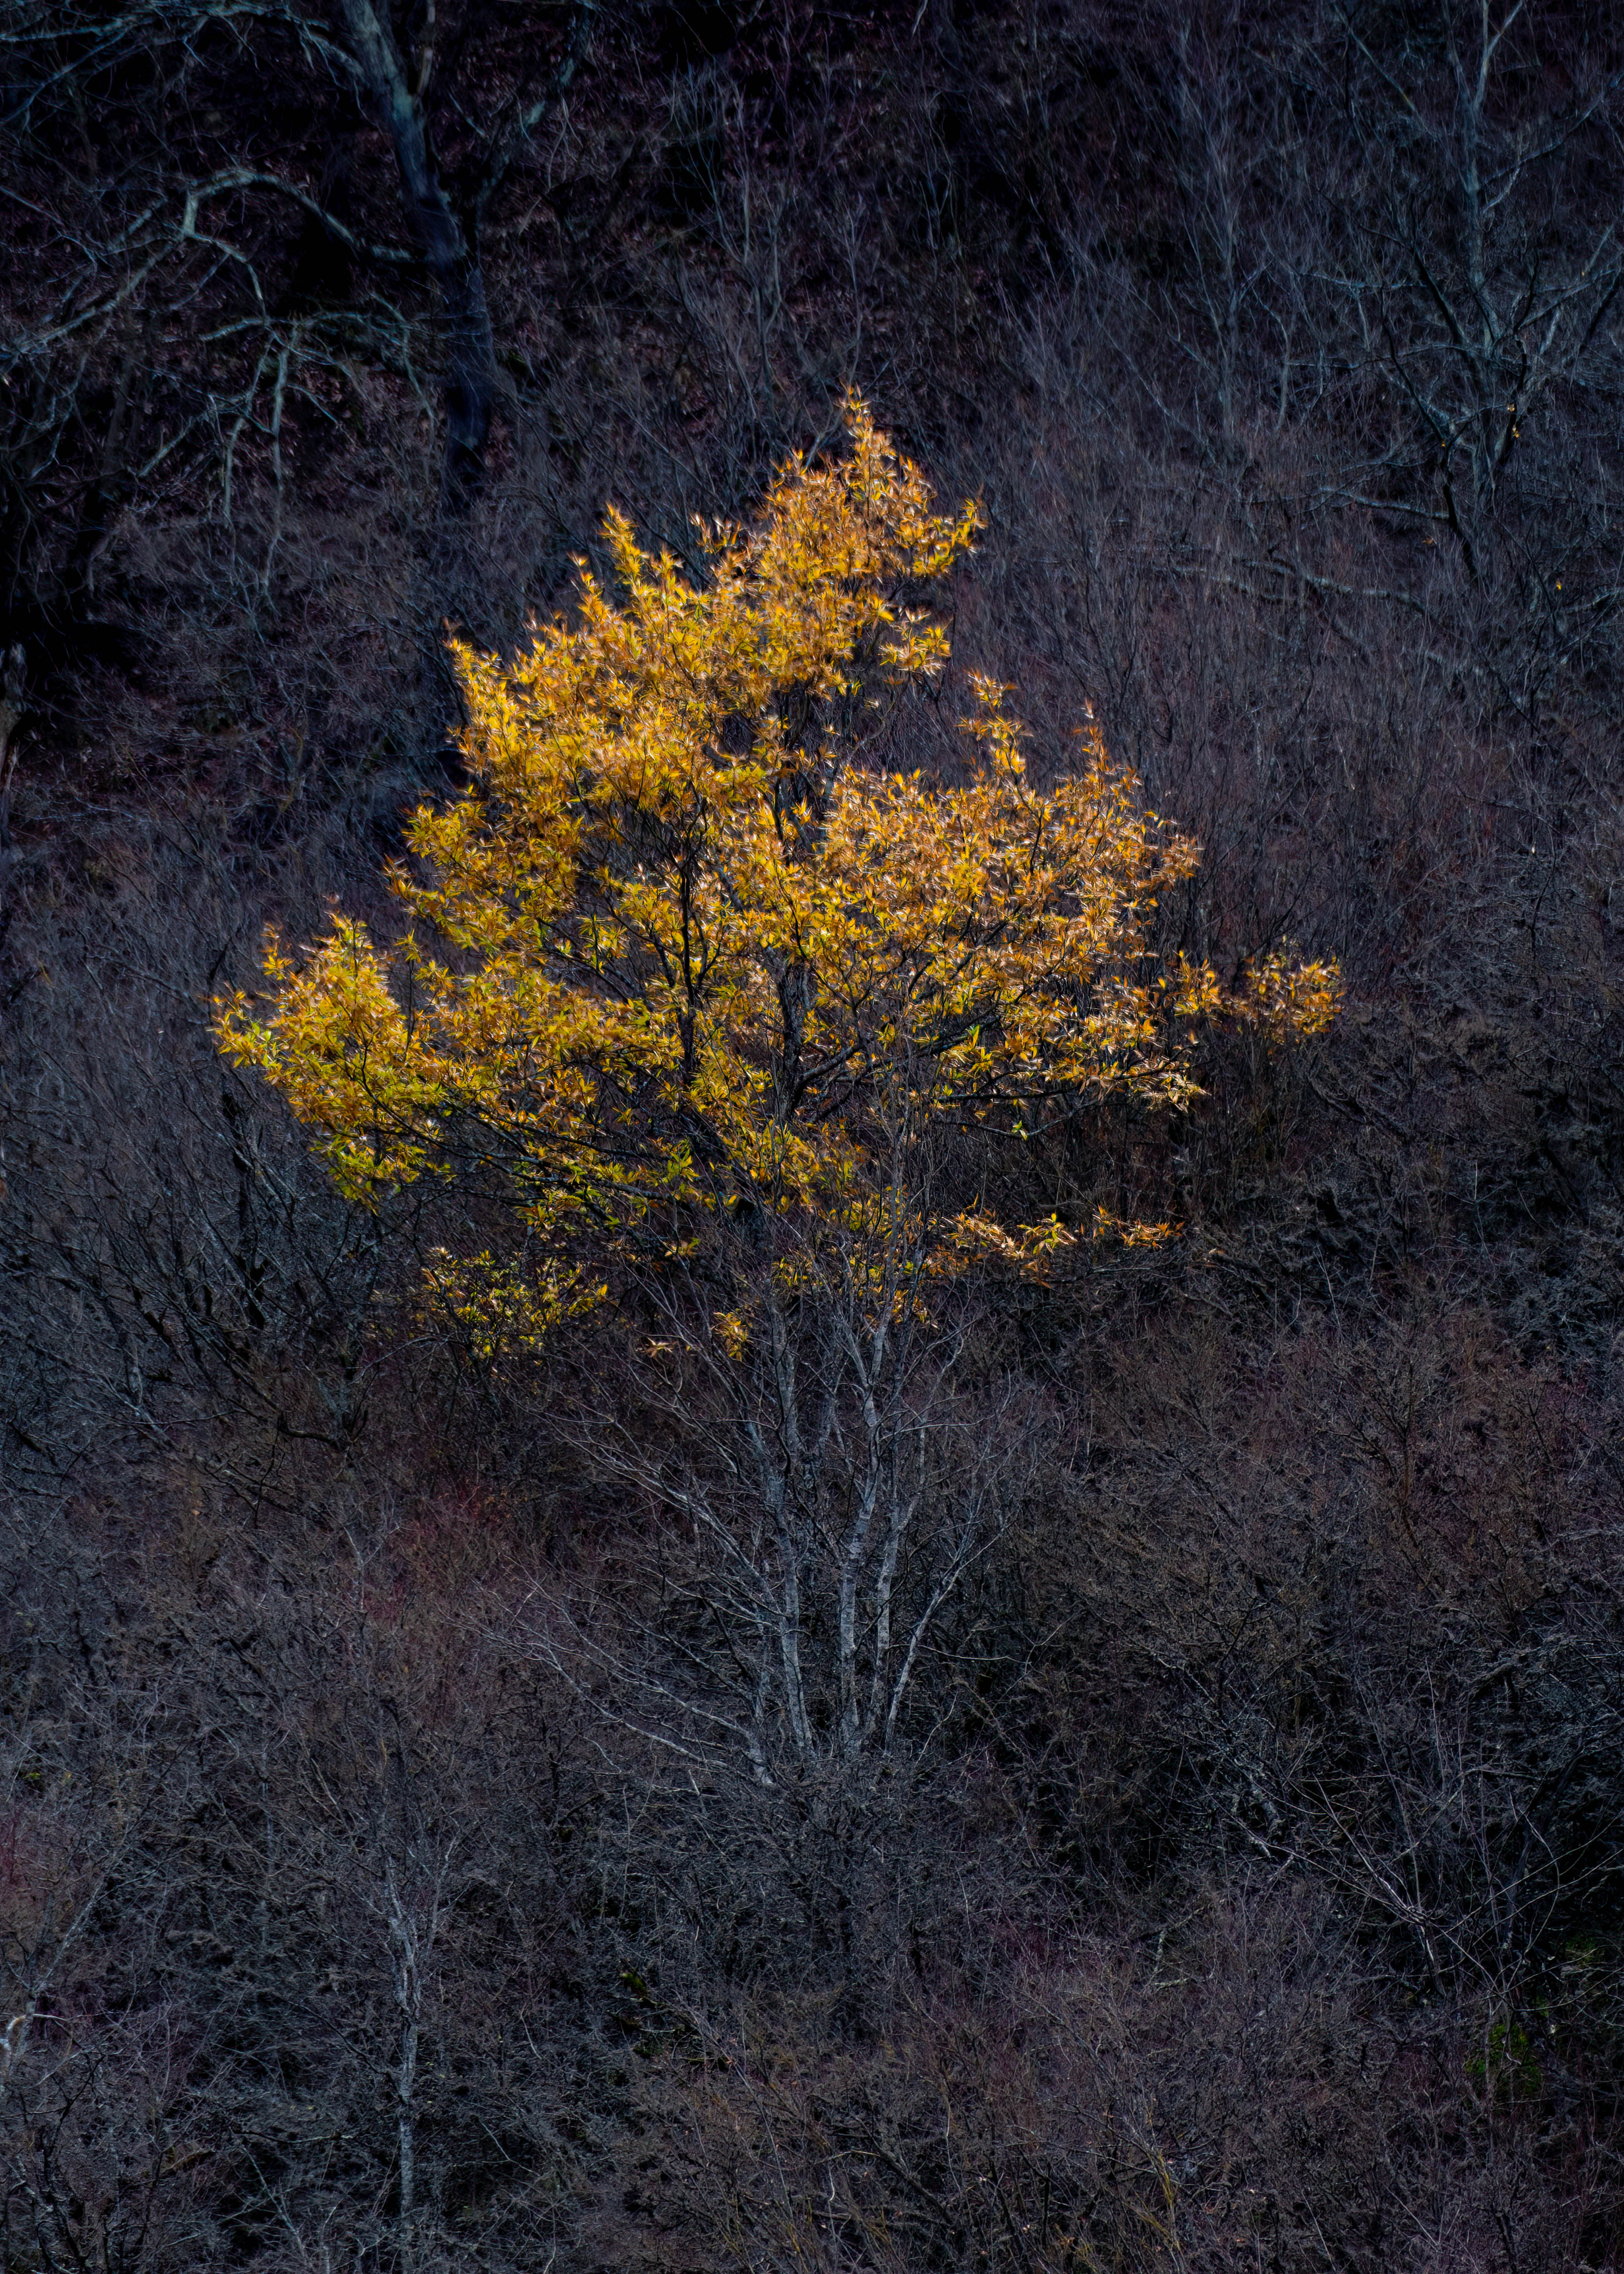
[676,947]
[683,970]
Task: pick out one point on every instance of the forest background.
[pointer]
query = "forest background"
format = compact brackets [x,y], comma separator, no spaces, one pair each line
[1241,1886]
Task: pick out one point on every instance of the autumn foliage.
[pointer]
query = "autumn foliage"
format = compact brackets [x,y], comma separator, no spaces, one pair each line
[682,947]
[762,1543]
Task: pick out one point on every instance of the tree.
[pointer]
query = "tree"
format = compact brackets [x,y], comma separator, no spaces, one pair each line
[699,995]
[180,310]
[1486,290]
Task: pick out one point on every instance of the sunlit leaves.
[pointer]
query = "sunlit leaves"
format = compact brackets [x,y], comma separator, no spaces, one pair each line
[680,946]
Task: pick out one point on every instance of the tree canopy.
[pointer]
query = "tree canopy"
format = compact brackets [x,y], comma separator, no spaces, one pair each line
[683,946]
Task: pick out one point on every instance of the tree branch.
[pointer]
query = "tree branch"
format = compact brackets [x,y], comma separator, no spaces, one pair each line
[502,160]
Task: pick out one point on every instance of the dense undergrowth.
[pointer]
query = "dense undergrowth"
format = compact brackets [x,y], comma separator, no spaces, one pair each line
[1246,1890]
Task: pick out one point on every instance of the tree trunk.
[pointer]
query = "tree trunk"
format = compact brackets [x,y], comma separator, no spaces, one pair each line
[449,250]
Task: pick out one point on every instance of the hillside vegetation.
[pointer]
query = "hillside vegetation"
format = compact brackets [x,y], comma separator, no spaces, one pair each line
[812,1101]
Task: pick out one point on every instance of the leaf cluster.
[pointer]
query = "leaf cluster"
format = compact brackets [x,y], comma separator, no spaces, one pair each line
[681,947]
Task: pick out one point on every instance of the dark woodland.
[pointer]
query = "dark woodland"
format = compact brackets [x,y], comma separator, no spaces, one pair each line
[1239,1887]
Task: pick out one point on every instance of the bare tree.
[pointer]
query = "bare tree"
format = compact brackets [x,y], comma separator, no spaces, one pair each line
[1485,295]
[822,1499]
[154,333]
